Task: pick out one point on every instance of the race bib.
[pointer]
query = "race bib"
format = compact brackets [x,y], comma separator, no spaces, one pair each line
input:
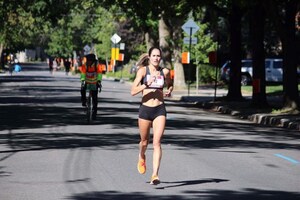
[91,75]
[158,81]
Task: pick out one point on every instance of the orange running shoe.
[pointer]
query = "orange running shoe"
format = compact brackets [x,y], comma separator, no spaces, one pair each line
[141,166]
[154,180]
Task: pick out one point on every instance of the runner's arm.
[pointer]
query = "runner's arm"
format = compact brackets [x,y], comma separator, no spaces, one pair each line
[169,82]
[137,87]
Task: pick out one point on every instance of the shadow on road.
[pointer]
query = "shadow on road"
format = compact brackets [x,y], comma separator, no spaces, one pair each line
[246,194]
[33,104]
[171,184]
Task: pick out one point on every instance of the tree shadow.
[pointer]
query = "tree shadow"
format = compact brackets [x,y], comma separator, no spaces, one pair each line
[244,194]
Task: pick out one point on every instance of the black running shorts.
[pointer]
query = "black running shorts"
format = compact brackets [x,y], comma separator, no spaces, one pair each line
[150,113]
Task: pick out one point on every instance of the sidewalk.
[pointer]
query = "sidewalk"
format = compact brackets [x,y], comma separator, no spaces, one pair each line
[207,98]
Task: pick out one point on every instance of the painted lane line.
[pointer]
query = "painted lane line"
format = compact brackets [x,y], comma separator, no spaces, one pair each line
[287,158]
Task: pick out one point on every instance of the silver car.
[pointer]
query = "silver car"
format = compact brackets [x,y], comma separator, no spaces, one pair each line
[273,69]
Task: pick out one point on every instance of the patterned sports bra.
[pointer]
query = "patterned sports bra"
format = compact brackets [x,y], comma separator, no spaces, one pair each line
[159,81]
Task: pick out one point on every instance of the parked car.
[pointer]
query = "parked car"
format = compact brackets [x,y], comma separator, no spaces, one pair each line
[273,69]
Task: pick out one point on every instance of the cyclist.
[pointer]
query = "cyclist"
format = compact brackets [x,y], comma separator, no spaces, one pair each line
[91,75]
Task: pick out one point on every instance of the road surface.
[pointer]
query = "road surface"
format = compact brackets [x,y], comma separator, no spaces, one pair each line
[49,152]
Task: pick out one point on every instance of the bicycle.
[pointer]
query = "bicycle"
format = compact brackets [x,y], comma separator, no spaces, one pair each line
[89,102]
[89,107]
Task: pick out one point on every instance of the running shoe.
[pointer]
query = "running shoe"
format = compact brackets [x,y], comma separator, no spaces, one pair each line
[154,180]
[141,166]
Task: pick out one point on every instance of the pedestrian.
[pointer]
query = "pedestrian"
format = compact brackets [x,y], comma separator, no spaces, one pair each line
[54,65]
[50,64]
[150,81]
[67,65]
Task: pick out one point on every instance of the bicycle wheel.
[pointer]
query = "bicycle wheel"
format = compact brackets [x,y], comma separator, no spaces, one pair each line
[89,108]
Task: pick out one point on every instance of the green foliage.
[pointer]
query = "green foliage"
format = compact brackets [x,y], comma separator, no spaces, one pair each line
[61,44]
[207,73]
[103,29]
[135,19]
[16,25]
[83,26]
[122,74]
[204,45]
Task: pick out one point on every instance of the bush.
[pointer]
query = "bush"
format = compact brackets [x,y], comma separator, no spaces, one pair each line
[207,74]
[122,73]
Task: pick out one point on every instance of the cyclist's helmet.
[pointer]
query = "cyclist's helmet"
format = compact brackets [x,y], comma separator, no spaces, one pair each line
[91,58]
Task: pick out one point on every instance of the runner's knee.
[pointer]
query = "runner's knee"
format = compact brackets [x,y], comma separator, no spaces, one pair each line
[144,143]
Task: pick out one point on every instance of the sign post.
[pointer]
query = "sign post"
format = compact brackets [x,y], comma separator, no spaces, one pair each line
[115,39]
[190,27]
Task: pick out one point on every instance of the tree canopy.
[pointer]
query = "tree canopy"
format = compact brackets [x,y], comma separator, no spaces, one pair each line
[64,26]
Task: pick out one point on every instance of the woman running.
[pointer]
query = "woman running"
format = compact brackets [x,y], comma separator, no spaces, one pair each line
[150,81]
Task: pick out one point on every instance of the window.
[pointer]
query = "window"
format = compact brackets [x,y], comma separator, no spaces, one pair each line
[267,64]
[277,64]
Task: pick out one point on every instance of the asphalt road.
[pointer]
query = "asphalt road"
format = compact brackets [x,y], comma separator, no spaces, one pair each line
[49,152]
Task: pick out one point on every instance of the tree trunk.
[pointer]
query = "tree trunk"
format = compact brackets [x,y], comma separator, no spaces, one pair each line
[234,90]
[164,37]
[179,78]
[290,79]
[150,42]
[257,20]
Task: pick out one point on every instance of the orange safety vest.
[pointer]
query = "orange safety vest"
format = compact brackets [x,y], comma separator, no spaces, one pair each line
[91,74]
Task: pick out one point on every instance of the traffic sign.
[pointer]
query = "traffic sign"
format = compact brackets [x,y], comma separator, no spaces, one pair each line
[115,38]
[122,46]
[190,27]
[87,49]
[186,40]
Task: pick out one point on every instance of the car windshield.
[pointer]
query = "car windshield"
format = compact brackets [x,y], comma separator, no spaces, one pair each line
[246,63]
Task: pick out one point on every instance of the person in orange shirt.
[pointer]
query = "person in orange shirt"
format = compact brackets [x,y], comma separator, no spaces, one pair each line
[91,77]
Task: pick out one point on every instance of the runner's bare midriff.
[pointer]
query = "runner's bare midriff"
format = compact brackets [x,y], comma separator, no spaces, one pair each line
[152,97]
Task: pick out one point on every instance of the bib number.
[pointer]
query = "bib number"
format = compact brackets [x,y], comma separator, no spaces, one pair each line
[158,81]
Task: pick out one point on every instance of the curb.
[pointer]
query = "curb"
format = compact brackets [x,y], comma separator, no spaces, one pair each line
[289,121]
[283,121]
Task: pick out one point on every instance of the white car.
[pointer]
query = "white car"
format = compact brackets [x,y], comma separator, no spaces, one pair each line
[273,69]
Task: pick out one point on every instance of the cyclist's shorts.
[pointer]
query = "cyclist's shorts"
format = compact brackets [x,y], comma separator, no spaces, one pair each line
[150,113]
[91,87]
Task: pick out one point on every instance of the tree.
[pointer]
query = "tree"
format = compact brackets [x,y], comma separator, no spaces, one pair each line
[15,25]
[283,14]
[257,21]
[172,18]
[61,41]
[85,24]
[235,15]
[31,20]
[160,22]
[143,14]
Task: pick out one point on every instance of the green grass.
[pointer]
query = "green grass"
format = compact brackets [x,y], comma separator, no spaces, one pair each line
[270,89]
[124,74]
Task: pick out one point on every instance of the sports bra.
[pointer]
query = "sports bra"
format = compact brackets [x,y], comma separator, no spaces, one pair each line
[159,81]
